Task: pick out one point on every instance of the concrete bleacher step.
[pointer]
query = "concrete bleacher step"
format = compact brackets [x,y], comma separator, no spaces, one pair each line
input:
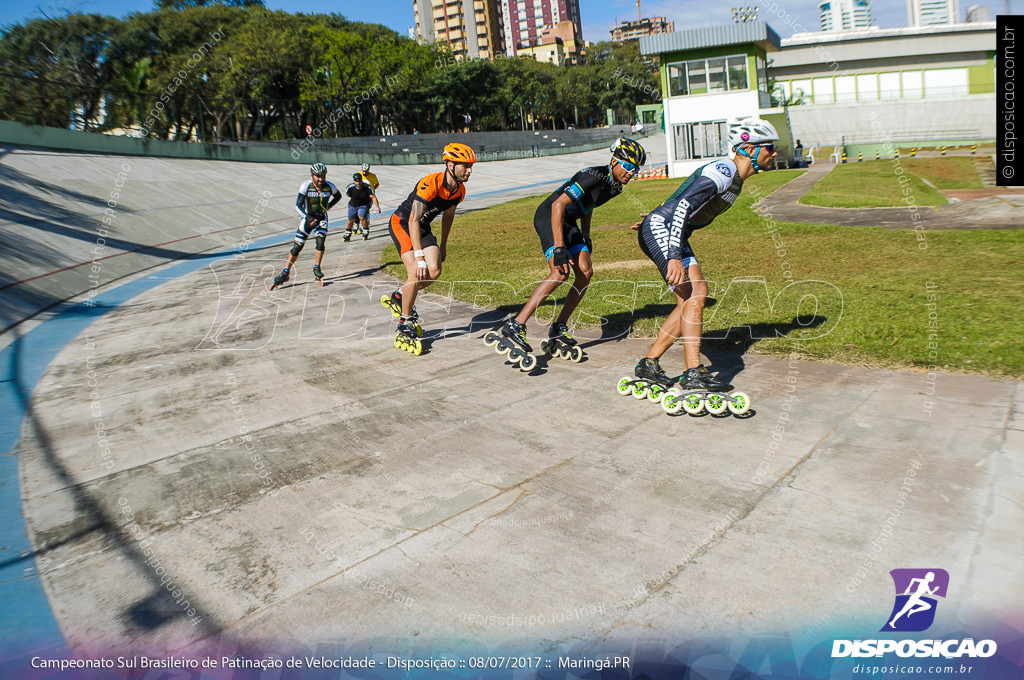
[986,168]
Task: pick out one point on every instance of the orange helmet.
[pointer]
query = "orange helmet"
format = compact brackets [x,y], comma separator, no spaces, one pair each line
[459,153]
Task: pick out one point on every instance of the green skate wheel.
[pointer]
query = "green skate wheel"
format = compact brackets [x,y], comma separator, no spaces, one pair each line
[717,404]
[624,387]
[693,404]
[527,363]
[672,403]
[656,392]
[639,390]
[419,330]
[416,347]
[576,354]
[491,338]
[739,403]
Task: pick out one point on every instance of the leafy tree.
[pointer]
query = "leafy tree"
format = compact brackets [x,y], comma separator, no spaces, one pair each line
[64,58]
[231,69]
[191,4]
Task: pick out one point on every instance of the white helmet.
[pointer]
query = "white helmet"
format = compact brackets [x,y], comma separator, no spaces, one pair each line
[366,167]
[751,131]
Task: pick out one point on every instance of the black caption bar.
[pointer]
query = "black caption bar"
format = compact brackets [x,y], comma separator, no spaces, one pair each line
[1010,154]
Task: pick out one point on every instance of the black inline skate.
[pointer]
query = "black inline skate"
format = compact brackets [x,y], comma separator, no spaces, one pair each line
[318,274]
[510,340]
[692,392]
[561,344]
[394,303]
[699,390]
[280,279]
[406,337]
[650,381]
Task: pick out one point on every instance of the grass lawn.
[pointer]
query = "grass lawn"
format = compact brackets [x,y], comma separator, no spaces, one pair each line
[876,184]
[855,295]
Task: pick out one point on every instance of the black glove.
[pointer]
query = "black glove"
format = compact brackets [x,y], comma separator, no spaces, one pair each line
[589,244]
[559,256]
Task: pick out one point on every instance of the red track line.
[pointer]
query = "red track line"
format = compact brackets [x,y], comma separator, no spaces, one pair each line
[134,250]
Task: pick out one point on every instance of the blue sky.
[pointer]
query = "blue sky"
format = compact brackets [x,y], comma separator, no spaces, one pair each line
[598,15]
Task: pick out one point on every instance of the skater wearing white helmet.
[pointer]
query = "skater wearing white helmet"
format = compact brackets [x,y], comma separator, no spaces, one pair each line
[368,176]
[664,236]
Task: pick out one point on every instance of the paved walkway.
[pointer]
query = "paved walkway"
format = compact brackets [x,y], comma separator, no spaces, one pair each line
[208,465]
[999,211]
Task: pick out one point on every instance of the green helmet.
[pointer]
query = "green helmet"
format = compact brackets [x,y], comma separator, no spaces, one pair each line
[630,151]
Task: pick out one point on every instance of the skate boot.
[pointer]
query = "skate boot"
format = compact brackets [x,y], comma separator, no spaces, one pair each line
[280,279]
[510,340]
[561,344]
[699,390]
[318,274]
[366,233]
[348,236]
[406,337]
[394,303]
[650,381]
[700,379]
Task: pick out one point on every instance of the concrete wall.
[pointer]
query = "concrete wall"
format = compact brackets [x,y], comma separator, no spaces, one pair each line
[962,118]
[817,52]
[19,134]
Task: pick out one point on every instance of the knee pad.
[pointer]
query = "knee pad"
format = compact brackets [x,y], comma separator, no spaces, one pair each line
[320,239]
[297,248]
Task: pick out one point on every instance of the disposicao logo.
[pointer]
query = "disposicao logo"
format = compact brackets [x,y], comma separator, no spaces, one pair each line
[913,612]
[914,609]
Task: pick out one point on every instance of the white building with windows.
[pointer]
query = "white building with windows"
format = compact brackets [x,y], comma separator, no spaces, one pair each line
[932,12]
[844,15]
[828,88]
[710,75]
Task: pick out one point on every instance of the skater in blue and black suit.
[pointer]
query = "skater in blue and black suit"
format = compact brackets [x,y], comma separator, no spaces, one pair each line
[664,236]
[562,223]
[316,196]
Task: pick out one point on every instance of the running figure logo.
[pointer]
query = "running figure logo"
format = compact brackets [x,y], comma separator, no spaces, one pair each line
[914,609]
